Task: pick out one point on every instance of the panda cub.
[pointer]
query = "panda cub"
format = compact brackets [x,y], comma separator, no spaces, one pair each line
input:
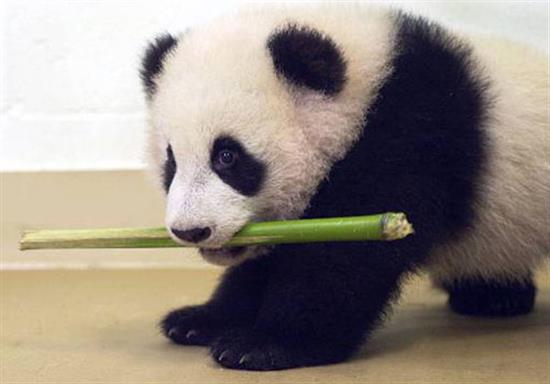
[339,110]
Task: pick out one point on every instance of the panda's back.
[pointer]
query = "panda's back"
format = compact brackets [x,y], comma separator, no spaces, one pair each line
[509,230]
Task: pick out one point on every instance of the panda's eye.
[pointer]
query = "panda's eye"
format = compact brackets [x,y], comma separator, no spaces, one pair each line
[235,166]
[226,158]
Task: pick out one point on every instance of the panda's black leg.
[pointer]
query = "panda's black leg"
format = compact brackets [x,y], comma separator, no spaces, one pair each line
[234,304]
[318,306]
[490,297]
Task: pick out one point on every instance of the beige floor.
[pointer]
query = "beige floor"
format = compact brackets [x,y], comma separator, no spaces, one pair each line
[99,326]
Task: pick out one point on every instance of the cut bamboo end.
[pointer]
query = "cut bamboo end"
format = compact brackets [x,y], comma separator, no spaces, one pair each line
[396,226]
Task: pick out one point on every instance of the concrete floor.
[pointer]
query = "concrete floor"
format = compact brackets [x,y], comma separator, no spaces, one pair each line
[98,326]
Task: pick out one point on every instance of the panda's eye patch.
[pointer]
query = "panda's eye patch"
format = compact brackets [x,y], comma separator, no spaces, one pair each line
[235,166]
[226,158]
[169,169]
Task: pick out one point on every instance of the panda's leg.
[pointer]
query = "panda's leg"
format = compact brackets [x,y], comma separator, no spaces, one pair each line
[234,304]
[319,304]
[482,296]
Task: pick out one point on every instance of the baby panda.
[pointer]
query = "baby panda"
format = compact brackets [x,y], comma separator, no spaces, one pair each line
[340,110]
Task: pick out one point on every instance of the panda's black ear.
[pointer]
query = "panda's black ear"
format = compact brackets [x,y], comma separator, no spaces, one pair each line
[152,61]
[308,58]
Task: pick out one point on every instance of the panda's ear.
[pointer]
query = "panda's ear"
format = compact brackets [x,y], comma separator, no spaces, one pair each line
[307,58]
[153,59]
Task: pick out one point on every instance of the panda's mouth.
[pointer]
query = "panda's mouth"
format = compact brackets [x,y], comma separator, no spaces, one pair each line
[228,252]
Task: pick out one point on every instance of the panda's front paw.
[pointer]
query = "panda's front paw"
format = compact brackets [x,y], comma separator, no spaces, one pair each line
[249,350]
[194,325]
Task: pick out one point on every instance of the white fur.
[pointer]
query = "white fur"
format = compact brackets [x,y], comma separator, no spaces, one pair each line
[512,232]
[220,80]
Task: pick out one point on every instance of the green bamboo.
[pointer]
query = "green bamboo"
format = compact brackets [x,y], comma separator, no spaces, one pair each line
[385,226]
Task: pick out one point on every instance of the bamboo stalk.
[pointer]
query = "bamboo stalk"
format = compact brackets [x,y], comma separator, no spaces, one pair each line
[386,226]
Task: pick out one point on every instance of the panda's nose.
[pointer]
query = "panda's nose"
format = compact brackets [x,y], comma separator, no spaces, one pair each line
[193,235]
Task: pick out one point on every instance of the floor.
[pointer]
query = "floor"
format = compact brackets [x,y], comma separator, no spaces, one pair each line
[98,326]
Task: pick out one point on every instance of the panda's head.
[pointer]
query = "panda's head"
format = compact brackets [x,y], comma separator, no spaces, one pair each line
[245,122]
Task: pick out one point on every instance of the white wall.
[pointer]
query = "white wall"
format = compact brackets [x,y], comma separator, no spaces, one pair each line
[70,93]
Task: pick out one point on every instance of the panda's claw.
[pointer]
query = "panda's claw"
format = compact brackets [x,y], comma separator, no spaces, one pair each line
[172,332]
[192,333]
[224,356]
[244,359]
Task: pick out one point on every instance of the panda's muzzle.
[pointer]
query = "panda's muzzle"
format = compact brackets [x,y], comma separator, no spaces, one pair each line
[193,235]
[198,235]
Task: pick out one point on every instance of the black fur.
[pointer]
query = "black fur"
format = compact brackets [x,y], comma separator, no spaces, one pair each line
[422,154]
[170,168]
[246,175]
[424,145]
[481,297]
[234,304]
[152,61]
[307,58]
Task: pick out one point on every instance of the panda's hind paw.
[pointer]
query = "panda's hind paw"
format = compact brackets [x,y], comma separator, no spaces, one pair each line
[481,297]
